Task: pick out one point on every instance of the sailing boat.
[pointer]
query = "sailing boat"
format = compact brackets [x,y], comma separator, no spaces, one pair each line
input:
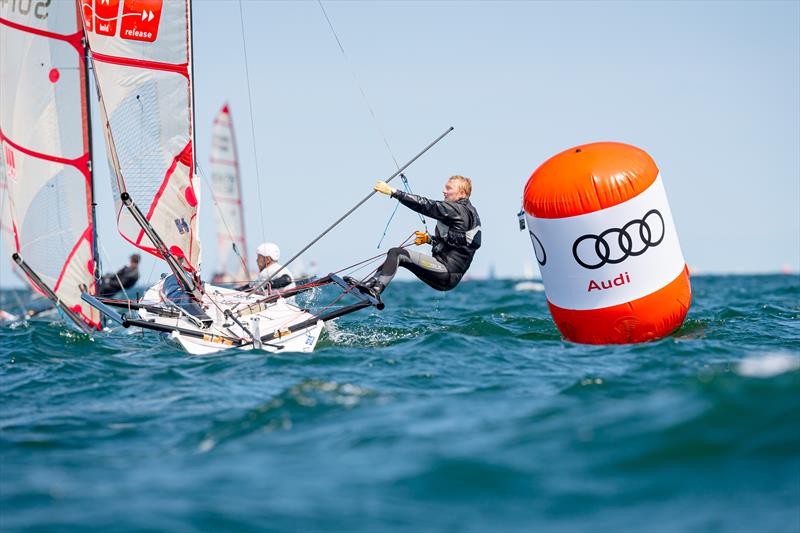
[142,56]
[48,210]
[227,194]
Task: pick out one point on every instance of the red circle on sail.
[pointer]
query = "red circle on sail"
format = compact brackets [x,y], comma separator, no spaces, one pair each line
[190,196]
[90,266]
[54,75]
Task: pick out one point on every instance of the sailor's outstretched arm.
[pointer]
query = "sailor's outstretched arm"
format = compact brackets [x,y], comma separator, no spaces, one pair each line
[440,210]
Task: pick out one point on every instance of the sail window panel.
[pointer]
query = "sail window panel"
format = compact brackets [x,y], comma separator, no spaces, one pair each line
[41,85]
[50,205]
[148,112]
[172,218]
[137,138]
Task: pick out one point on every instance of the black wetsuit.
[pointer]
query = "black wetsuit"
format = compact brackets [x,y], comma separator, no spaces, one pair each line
[457,238]
[110,283]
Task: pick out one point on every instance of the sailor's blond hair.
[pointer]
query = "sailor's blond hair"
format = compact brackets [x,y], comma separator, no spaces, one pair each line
[464,184]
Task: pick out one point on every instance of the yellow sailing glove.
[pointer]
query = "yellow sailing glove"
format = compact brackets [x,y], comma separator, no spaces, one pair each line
[422,238]
[385,188]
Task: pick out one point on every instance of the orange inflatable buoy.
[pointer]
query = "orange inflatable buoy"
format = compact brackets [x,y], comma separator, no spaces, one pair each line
[604,238]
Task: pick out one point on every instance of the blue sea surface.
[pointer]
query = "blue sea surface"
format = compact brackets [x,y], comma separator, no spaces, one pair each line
[462,411]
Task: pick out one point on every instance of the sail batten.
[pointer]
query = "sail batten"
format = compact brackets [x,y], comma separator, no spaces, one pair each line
[44,149]
[142,64]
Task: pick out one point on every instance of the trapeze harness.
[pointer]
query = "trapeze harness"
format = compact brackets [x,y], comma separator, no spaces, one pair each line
[457,238]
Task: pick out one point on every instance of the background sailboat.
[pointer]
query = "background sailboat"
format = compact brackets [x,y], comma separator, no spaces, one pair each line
[46,152]
[226,190]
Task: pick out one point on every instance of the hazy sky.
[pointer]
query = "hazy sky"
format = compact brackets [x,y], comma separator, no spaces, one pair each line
[710,90]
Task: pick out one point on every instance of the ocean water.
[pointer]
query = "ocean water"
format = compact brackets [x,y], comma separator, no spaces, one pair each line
[462,411]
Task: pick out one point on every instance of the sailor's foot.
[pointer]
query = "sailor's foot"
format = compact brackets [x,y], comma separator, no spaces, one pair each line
[369,290]
[377,288]
[374,289]
[352,281]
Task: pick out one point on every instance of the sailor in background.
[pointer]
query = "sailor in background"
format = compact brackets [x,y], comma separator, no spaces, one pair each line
[124,278]
[457,237]
[267,257]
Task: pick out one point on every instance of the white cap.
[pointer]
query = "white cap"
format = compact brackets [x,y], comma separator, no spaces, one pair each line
[269,249]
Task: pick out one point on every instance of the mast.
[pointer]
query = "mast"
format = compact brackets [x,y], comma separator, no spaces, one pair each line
[90,161]
[192,123]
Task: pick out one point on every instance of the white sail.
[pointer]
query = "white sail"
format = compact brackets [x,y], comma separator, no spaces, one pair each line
[141,52]
[6,224]
[44,133]
[227,191]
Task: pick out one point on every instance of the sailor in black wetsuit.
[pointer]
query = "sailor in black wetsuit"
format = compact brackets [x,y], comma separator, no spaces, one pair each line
[458,236]
[124,278]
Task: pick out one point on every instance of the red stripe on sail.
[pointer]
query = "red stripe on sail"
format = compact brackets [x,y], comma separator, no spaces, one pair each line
[87,235]
[73,39]
[80,163]
[163,186]
[179,68]
[16,236]
[184,157]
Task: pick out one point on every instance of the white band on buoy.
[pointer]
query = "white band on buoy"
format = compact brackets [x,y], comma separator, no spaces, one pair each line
[611,256]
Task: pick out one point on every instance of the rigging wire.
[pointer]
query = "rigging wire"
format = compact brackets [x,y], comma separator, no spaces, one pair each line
[252,124]
[358,84]
[407,187]
[369,107]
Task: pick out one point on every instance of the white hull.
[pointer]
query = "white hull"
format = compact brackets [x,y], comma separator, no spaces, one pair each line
[273,317]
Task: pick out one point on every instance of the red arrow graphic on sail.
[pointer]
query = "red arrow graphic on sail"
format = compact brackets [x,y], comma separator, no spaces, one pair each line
[144,25]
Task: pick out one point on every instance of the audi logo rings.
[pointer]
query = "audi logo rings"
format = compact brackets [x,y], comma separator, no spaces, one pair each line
[538,250]
[603,254]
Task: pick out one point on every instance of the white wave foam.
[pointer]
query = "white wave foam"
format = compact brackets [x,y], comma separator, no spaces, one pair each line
[768,365]
[529,286]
